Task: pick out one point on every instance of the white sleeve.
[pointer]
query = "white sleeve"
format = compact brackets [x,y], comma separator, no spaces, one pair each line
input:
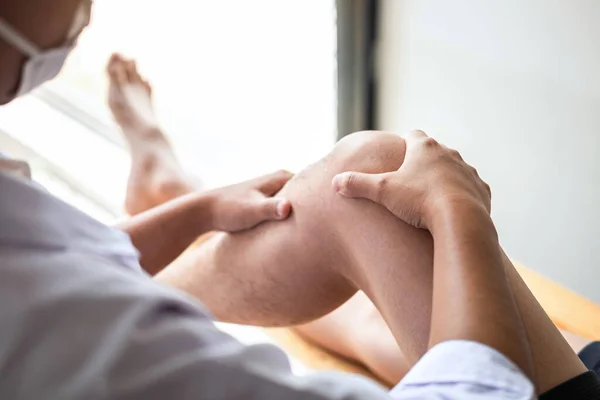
[464,370]
[80,327]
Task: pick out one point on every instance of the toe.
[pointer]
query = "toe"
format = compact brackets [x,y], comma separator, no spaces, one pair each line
[117,70]
[116,57]
[134,77]
[113,61]
[147,86]
[132,73]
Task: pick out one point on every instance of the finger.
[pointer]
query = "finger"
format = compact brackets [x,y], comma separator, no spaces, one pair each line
[272,183]
[453,153]
[413,140]
[272,208]
[358,184]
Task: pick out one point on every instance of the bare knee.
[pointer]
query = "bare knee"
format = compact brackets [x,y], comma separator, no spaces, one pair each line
[320,211]
[368,151]
[311,190]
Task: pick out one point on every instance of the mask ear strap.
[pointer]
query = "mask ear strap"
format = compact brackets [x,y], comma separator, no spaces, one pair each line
[11,36]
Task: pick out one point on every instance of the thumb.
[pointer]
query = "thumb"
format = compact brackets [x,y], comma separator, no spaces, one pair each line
[273,208]
[358,184]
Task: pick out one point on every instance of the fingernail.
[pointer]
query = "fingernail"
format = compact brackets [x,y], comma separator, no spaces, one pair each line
[338,182]
[280,209]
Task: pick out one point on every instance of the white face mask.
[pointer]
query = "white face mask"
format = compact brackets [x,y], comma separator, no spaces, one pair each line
[43,65]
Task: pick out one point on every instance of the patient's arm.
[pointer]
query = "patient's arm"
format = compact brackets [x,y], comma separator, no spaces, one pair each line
[288,272]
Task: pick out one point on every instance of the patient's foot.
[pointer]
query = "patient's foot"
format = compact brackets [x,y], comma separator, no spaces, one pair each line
[155,175]
[130,100]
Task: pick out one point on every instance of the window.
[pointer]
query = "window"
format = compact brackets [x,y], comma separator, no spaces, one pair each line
[241,88]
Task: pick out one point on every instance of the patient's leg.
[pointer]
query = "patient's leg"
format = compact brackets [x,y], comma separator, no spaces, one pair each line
[293,271]
[156,177]
[327,238]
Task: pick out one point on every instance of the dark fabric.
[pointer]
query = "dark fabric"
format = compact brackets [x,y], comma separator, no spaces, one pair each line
[583,387]
[590,355]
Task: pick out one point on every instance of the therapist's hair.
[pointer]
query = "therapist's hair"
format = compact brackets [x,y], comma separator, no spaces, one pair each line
[44,22]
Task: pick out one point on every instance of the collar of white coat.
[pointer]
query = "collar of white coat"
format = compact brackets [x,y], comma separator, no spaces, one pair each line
[32,218]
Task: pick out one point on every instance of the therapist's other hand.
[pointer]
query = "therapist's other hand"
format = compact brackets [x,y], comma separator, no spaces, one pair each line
[432,179]
[247,204]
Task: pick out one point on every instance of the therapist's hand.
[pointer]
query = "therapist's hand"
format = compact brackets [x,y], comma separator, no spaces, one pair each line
[247,204]
[433,179]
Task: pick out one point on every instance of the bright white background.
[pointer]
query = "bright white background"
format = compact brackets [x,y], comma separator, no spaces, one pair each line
[241,87]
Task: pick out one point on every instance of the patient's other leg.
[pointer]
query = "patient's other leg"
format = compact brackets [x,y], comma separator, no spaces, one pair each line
[358,332]
[155,175]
